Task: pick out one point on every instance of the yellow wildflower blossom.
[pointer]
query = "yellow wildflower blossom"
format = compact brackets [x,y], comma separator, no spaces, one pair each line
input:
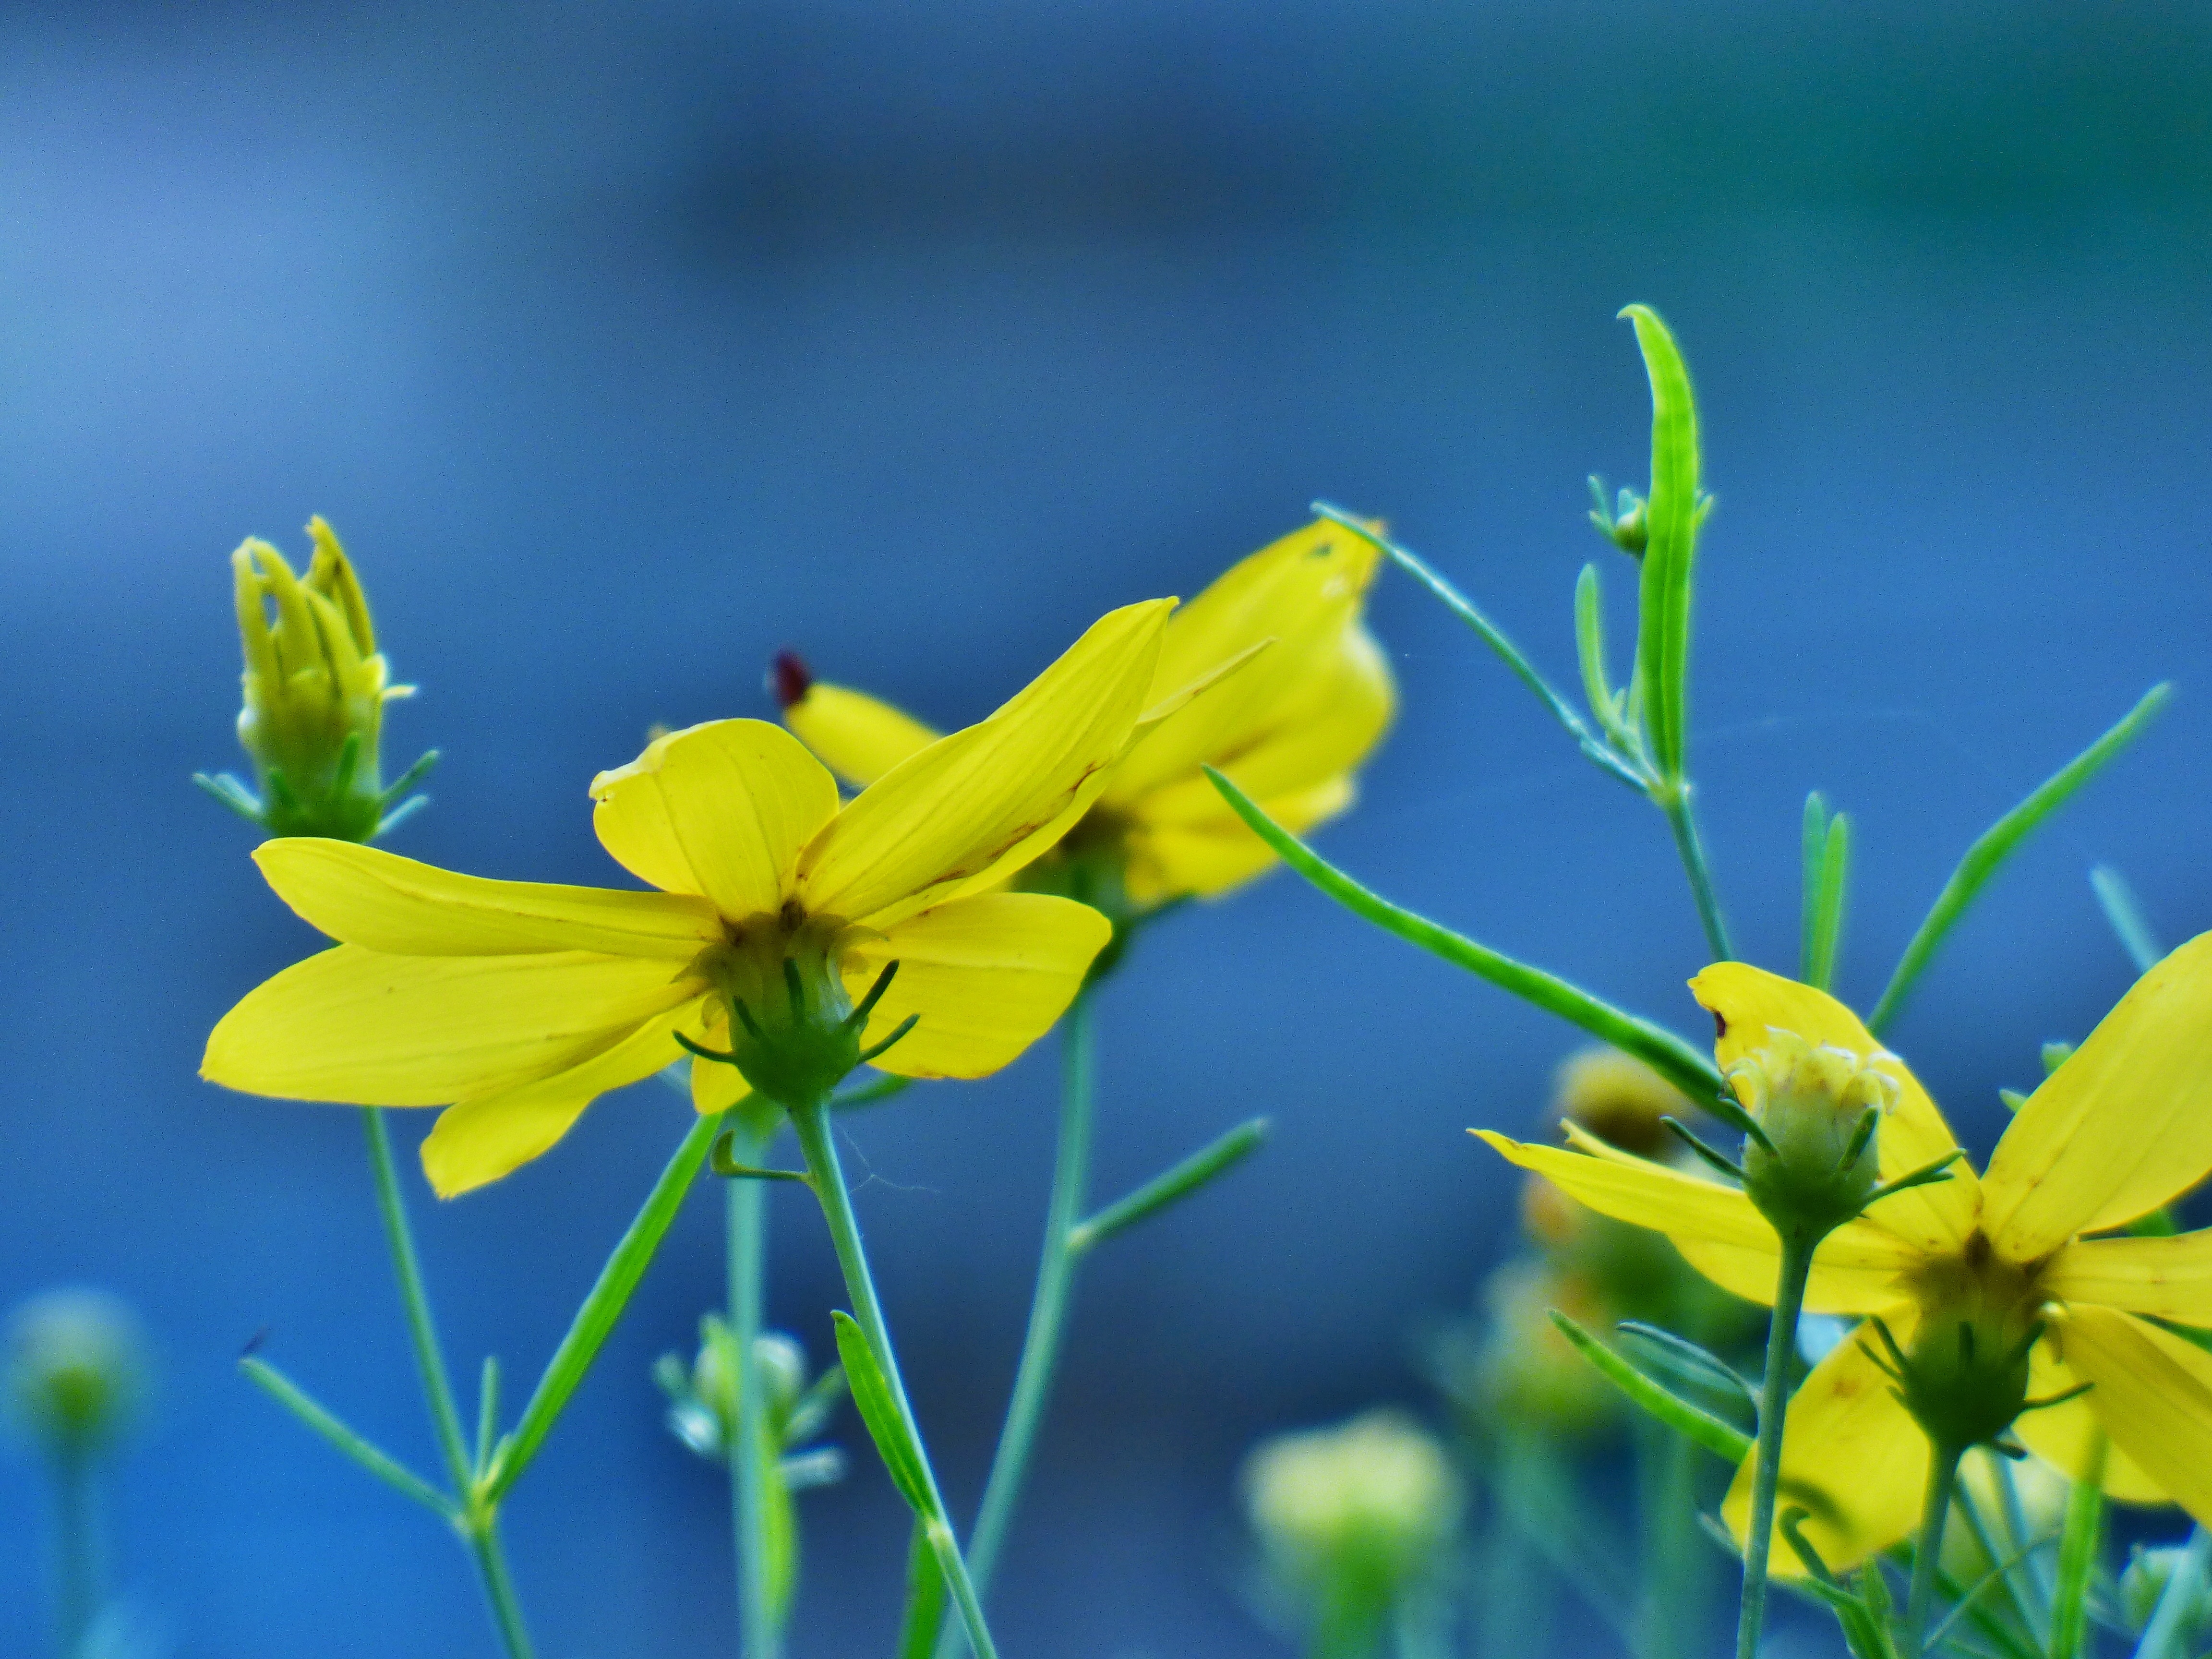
[1291,726]
[2121,1128]
[515,1004]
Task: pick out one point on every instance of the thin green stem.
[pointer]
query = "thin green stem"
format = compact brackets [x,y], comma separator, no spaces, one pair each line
[1674,801]
[421,1329]
[1040,1343]
[812,1121]
[746,1211]
[2078,1548]
[1942,1476]
[499,1588]
[1672,1594]
[346,1440]
[1773,1404]
[2161,1637]
[80,1566]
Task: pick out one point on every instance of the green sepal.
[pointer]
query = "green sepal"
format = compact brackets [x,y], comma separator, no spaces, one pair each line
[872,1395]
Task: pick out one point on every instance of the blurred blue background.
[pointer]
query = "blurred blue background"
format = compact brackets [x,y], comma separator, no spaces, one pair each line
[626,345]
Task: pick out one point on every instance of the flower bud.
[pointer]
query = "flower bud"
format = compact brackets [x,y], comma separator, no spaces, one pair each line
[705,1399]
[1812,1165]
[315,687]
[76,1372]
[1351,1520]
[1621,1100]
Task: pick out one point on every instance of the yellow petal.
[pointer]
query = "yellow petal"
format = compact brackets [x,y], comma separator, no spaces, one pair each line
[716,1086]
[2124,1125]
[488,1136]
[2152,1393]
[371,1029]
[987,975]
[974,807]
[720,810]
[2171,1278]
[1302,595]
[856,736]
[1856,1267]
[1205,857]
[1851,1456]
[1748,1002]
[2062,1435]
[363,897]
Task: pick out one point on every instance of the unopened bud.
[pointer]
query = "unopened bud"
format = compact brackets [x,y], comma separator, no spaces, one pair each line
[1621,1100]
[1813,1163]
[76,1372]
[1528,1378]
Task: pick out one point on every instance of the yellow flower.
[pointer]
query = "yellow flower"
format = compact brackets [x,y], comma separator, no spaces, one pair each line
[515,1004]
[2121,1128]
[1291,726]
[315,687]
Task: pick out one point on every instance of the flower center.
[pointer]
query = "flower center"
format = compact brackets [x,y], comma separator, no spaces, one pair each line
[1964,1375]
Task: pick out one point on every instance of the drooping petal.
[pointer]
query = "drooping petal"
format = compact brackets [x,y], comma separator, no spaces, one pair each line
[2124,1125]
[1748,1002]
[371,1029]
[2171,1278]
[360,895]
[487,1136]
[974,807]
[856,736]
[1851,1456]
[988,976]
[720,810]
[1205,857]
[1857,1266]
[2151,1392]
[2062,1435]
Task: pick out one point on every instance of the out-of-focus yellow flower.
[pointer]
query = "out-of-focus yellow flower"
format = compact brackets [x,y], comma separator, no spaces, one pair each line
[1621,1100]
[1290,726]
[1350,1518]
[315,690]
[2123,1127]
[1528,1378]
[779,917]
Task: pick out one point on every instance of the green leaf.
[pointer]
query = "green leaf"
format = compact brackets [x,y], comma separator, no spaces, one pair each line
[1460,606]
[373,1458]
[1827,864]
[2117,901]
[1691,1363]
[872,1395]
[924,1597]
[565,1371]
[1679,1063]
[1216,1158]
[1672,514]
[1721,1439]
[1589,650]
[1997,844]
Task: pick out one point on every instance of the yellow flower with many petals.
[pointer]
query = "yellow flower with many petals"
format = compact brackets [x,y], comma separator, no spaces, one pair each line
[515,1004]
[2122,1128]
[1309,695]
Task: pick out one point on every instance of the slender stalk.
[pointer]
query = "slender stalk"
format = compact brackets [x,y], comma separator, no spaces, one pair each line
[2077,1553]
[499,1588]
[1942,1476]
[1671,1610]
[812,1121]
[80,1567]
[1773,1404]
[1674,800]
[2161,1637]
[1040,1343]
[746,1209]
[421,1329]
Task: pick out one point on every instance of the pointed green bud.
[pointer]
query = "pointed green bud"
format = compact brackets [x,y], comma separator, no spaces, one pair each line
[315,687]
[1809,1158]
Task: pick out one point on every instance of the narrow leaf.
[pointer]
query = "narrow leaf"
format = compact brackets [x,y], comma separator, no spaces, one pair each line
[1671,514]
[1216,1158]
[1827,845]
[601,1309]
[1679,1063]
[1721,1439]
[487,1414]
[2117,901]
[924,1597]
[1997,843]
[1691,1363]
[1492,635]
[379,1462]
[1589,649]
[872,1395]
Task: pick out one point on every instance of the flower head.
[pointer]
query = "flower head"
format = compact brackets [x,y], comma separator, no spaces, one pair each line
[75,1375]
[315,687]
[1997,1302]
[791,935]
[1298,692]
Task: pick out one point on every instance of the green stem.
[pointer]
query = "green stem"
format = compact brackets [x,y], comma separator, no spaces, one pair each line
[1942,1475]
[1671,1568]
[79,1560]
[2078,1549]
[746,1208]
[421,1329]
[1674,800]
[1041,1344]
[1773,1404]
[499,1588]
[812,1121]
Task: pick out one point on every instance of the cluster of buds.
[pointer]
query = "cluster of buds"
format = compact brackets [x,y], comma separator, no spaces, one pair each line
[1352,1523]
[315,690]
[704,1404]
